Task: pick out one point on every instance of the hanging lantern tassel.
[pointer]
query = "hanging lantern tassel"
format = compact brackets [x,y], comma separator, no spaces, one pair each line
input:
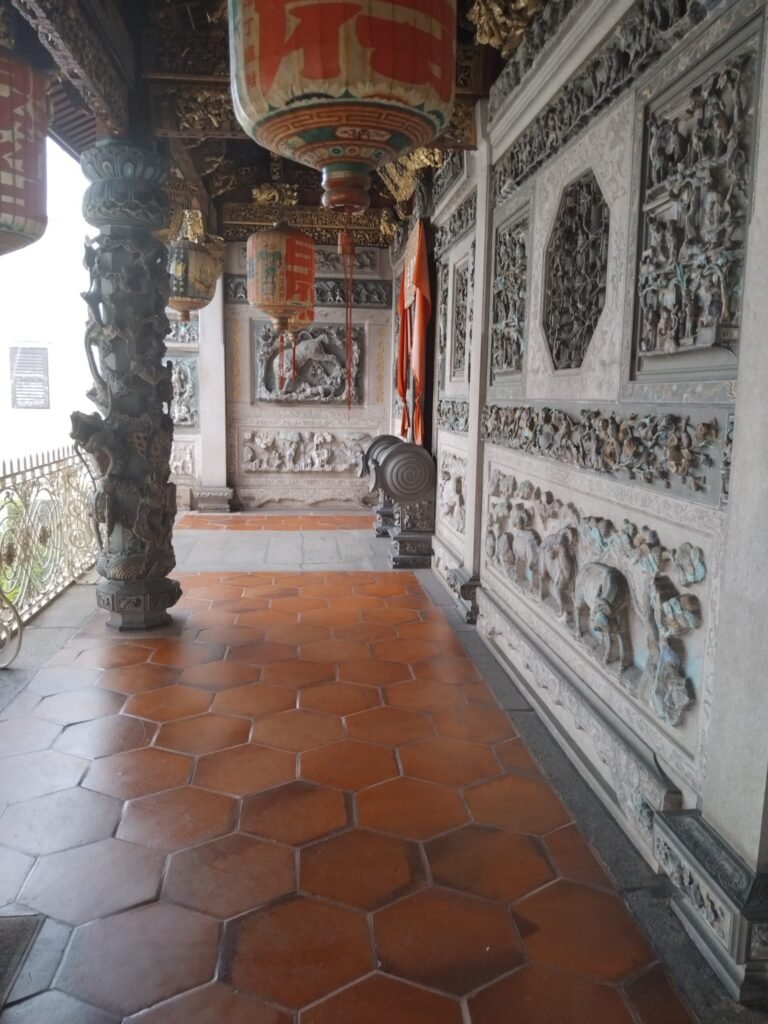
[294,340]
[347,254]
[281,358]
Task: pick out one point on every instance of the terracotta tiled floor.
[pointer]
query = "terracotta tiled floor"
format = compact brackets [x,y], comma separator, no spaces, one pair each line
[305,808]
[273,522]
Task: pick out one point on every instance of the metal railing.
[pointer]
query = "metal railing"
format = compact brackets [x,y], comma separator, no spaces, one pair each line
[46,539]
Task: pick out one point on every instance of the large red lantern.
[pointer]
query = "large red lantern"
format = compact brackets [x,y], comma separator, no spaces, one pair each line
[23,127]
[281,278]
[343,87]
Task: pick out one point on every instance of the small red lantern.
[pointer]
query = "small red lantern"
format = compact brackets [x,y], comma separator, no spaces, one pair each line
[281,278]
[23,127]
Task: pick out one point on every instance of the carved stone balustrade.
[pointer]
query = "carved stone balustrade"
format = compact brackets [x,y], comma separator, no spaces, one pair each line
[407,475]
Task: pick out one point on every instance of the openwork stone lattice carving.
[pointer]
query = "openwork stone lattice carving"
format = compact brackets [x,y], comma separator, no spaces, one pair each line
[652,448]
[619,590]
[184,379]
[699,146]
[320,356]
[510,293]
[451,491]
[461,301]
[576,272]
[445,177]
[459,223]
[303,451]
[648,31]
[134,504]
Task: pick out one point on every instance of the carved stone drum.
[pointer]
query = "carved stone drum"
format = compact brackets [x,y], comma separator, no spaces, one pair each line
[385,509]
[407,475]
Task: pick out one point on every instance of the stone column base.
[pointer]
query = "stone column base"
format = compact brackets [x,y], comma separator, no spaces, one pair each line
[722,904]
[139,604]
[212,499]
[464,585]
[411,549]
[385,518]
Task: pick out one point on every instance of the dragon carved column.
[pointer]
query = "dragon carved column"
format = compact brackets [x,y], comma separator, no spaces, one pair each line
[128,441]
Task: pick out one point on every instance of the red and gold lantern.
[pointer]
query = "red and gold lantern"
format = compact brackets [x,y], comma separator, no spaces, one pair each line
[23,127]
[343,87]
[195,263]
[281,278]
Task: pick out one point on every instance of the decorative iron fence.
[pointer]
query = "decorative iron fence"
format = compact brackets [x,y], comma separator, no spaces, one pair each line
[46,539]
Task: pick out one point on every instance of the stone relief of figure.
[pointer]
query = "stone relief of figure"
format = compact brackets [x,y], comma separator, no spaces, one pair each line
[313,365]
[451,500]
[184,404]
[604,592]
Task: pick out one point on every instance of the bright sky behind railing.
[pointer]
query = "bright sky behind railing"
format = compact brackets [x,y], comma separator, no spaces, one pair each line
[40,306]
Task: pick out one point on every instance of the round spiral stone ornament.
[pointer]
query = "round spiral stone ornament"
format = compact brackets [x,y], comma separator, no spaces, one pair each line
[407,473]
[374,452]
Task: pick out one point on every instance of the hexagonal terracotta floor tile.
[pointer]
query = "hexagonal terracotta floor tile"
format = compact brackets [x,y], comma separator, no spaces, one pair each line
[245,769]
[297,605]
[25,776]
[339,698]
[104,736]
[446,670]
[57,821]
[610,945]
[489,862]
[411,808]
[229,876]
[298,673]
[255,700]
[390,726]
[55,1008]
[297,952]
[514,755]
[212,1004]
[93,881]
[168,703]
[654,999]
[297,730]
[177,818]
[363,869]
[575,859]
[265,652]
[334,650]
[114,656]
[405,650]
[185,654]
[230,636]
[348,765]
[265,618]
[446,941]
[390,616]
[331,616]
[368,672]
[23,735]
[203,734]
[137,678]
[220,675]
[474,723]
[421,695]
[298,633]
[364,632]
[295,814]
[79,705]
[540,995]
[133,960]
[380,999]
[138,773]
[521,804]
[451,762]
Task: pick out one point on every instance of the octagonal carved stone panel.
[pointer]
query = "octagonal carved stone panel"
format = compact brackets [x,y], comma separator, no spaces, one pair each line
[576,272]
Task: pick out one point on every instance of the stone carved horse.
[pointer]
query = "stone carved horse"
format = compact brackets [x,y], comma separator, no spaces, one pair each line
[304,352]
[604,592]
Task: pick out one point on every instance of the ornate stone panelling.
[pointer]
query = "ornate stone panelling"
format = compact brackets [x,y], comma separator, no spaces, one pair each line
[184,379]
[459,223]
[650,29]
[451,488]
[699,144]
[653,448]
[576,272]
[447,176]
[460,320]
[328,292]
[623,595]
[693,888]
[320,358]
[453,415]
[510,297]
[184,460]
[725,465]
[187,334]
[302,451]
[328,261]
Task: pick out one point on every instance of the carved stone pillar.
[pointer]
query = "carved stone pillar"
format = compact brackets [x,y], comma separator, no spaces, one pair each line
[129,440]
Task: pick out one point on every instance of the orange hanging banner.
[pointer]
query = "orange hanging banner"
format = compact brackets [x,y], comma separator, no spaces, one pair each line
[414,308]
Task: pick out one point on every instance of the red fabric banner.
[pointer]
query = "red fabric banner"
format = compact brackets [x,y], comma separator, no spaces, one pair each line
[412,342]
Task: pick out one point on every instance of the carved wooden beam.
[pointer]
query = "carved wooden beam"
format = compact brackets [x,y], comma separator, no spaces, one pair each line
[374,227]
[193,110]
[502,23]
[86,56]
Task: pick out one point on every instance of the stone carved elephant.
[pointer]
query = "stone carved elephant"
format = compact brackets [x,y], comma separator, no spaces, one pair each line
[557,565]
[604,592]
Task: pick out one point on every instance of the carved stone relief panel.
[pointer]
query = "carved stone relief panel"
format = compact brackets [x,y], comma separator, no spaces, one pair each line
[460,319]
[623,595]
[328,261]
[446,177]
[184,380]
[453,415]
[319,357]
[510,297]
[184,460]
[442,319]
[451,487]
[458,224]
[181,333]
[366,294]
[576,271]
[302,451]
[699,144]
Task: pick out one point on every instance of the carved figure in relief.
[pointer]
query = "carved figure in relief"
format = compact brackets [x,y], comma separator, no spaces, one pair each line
[519,548]
[557,565]
[319,355]
[604,592]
